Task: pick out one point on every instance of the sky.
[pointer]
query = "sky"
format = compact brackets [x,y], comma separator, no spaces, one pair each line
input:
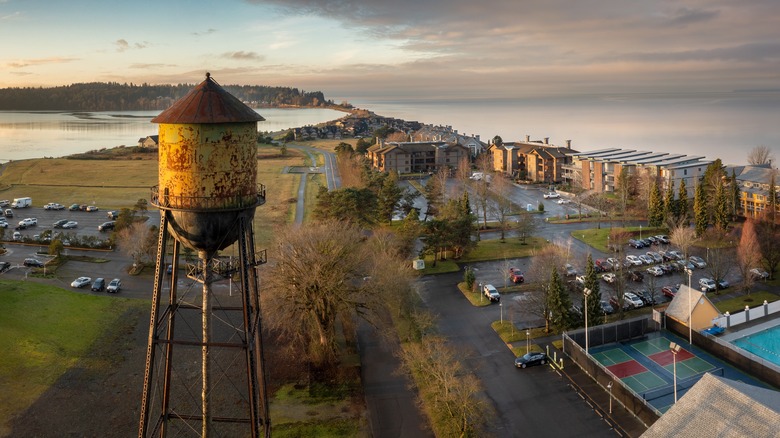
[436,49]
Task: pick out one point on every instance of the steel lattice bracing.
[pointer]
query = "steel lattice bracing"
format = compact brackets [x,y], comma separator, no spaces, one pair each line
[204,369]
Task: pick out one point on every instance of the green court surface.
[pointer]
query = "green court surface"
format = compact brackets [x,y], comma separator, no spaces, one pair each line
[652,346]
[690,367]
[643,382]
[611,357]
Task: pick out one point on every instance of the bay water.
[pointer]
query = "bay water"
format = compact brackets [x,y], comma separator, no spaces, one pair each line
[38,134]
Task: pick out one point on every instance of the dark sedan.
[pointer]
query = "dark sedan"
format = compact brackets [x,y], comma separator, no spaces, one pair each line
[529,359]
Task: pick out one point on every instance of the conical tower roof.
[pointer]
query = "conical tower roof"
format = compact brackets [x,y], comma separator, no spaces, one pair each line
[208,102]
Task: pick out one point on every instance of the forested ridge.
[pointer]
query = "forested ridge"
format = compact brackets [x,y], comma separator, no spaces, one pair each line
[111,96]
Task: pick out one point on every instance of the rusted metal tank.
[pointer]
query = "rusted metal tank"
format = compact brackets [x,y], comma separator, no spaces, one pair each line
[207,166]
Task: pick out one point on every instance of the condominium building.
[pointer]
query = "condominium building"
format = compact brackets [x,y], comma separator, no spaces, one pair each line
[753,181]
[415,157]
[535,161]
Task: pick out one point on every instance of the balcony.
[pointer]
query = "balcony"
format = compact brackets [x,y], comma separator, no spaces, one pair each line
[207,203]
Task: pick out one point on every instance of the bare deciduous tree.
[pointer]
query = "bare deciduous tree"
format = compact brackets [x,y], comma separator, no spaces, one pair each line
[481,186]
[760,155]
[135,241]
[502,207]
[398,136]
[323,273]
[748,254]
[683,237]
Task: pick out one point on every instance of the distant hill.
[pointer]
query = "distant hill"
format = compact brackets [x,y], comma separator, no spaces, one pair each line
[111,96]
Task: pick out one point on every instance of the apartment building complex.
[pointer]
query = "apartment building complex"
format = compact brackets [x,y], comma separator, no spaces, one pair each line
[753,181]
[531,160]
[415,157]
[598,170]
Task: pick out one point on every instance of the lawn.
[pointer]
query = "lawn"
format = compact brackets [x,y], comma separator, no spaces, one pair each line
[46,330]
[598,237]
[738,304]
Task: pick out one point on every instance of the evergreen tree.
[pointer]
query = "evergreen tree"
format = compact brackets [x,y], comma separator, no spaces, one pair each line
[388,197]
[700,216]
[682,202]
[558,302]
[670,205]
[655,212]
[721,216]
[593,308]
[734,194]
[771,201]
[434,194]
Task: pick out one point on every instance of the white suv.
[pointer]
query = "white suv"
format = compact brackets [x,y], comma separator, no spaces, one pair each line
[707,285]
[28,222]
[491,292]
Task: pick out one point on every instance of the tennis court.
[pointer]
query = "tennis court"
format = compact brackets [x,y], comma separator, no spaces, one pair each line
[647,367]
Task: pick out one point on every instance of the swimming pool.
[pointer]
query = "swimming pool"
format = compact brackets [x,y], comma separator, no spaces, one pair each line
[765,344]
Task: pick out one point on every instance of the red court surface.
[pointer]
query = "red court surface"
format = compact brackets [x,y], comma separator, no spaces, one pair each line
[627,368]
[666,357]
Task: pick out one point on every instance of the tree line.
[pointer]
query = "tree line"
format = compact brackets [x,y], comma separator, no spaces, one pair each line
[113,96]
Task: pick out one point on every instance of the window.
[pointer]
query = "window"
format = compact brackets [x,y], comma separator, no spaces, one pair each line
[685,172]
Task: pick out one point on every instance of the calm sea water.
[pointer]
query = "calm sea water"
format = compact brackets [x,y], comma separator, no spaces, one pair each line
[713,125]
[56,134]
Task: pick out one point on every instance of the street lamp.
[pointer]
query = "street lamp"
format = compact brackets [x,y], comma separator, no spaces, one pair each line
[609,386]
[690,313]
[501,310]
[481,293]
[527,340]
[674,348]
[640,232]
[586,292]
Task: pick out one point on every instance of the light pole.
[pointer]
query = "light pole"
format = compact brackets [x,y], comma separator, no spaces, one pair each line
[527,340]
[690,312]
[609,386]
[640,231]
[586,292]
[674,348]
[501,310]
[481,293]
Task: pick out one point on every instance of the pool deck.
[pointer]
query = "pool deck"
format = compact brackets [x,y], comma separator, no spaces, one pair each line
[747,329]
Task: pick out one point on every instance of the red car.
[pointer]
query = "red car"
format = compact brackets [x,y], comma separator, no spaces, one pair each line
[516,275]
[670,291]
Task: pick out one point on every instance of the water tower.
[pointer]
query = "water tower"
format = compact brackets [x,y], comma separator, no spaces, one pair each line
[204,361]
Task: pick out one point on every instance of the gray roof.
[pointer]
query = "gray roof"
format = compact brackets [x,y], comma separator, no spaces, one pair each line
[678,307]
[719,407]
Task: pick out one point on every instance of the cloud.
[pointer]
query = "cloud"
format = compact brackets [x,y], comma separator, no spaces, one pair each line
[122,45]
[243,56]
[151,66]
[206,32]
[40,61]
[12,16]
[684,16]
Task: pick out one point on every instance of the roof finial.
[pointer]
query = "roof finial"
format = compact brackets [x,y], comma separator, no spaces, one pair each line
[208,75]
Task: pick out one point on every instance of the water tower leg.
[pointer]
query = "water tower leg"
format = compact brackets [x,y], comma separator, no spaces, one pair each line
[205,259]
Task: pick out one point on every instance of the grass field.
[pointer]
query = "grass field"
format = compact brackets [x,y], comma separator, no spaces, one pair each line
[46,330]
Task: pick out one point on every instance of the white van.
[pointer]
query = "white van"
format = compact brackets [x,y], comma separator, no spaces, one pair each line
[21,203]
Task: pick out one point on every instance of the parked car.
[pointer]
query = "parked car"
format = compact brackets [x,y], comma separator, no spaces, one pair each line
[698,262]
[646,259]
[707,285]
[634,260]
[70,224]
[615,303]
[646,297]
[113,214]
[564,201]
[663,238]
[609,278]
[105,226]
[674,255]
[723,284]
[529,359]
[8,212]
[670,291]
[614,262]
[74,207]
[551,195]
[98,285]
[5,203]
[60,223]
[35,263]
[667,268]
[491,292]
[633,300]
[655,271]
[604,265]
[685,264]
[635,243]
[516,275]
[17,236]
[28,222]
[759,274]
[53,206]
[81,282]
[569,270]
[655,256]
[114,286]
[4,266]
[3,223]
[635,276]
[91,208]
[606,307]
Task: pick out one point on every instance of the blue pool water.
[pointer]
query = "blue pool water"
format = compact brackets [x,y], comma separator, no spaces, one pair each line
[765,344]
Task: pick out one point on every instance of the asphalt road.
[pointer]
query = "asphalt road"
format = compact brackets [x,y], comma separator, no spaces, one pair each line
[535,401]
